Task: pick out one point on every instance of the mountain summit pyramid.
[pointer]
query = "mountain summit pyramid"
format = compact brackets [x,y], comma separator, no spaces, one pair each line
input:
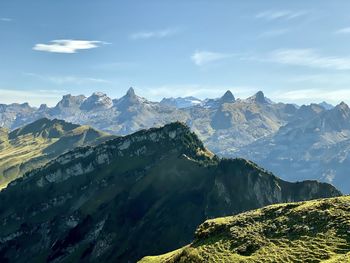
[227,97]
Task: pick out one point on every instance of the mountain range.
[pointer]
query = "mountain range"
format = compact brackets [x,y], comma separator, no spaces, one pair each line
[130,196]
[315,147]
[285,138]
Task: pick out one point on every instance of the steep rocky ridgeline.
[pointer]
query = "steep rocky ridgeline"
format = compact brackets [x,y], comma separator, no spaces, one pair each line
[132,196]
[37,143]
[312,231]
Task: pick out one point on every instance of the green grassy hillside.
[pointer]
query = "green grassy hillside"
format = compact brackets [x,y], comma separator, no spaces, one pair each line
[37,143]
[312,231]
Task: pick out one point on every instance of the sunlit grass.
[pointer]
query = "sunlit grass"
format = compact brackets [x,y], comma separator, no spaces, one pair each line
[313,231]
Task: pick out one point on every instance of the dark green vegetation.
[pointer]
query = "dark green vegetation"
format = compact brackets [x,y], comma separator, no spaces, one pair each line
[37,143]
[132,196]
[312,231]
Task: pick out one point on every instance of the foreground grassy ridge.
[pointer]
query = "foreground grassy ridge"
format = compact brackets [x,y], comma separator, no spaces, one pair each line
[312,231]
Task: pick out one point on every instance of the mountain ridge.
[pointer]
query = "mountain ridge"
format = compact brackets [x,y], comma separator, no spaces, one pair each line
[107,201]
[229,127]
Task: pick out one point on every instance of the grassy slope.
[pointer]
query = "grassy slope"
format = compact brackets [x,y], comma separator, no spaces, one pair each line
[312,231]
[37,143]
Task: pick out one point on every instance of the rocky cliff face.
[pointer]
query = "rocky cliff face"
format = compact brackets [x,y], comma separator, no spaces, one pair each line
[132,196]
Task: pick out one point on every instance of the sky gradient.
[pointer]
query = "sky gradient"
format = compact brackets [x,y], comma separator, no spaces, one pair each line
[294,51]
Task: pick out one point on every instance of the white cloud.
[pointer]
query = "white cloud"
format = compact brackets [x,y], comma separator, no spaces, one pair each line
[61,80]
[334,96]
[154,34]
[201,58]
[5,19]
[33,97]
[309,58]
[68,46]
[280,14]
[345,30]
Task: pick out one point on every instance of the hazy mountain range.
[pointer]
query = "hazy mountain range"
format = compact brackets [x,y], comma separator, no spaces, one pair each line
[296,142]
[130,196]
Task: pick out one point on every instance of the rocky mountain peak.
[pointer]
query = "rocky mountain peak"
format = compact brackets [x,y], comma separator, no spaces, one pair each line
[97,100]
[129,99]
[131,92]
[326,105]
[343,106]
[43,107]
[339,113]
[227,97]
[70,100]
[259,97]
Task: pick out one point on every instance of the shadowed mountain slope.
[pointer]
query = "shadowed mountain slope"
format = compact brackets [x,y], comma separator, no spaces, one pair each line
[132,196]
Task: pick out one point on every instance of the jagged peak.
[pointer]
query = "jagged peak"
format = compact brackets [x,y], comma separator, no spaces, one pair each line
[228,97]
[259,97]
[97,100]
[342,106]
[43,107]
[98,94]
[342,111]
[129,99]
[68,99]
[131,92]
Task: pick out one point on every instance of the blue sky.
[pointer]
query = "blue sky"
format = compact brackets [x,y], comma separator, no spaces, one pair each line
[295,51]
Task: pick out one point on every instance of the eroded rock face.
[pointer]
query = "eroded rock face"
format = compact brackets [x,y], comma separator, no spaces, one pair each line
[156,184]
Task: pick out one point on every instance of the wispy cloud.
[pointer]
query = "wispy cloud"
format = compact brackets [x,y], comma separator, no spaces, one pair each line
[345,30]
[33,97]
[280,14]
[309,58]
[154,34]
[68,46]
[201,58]
[60,80]
[6,19]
